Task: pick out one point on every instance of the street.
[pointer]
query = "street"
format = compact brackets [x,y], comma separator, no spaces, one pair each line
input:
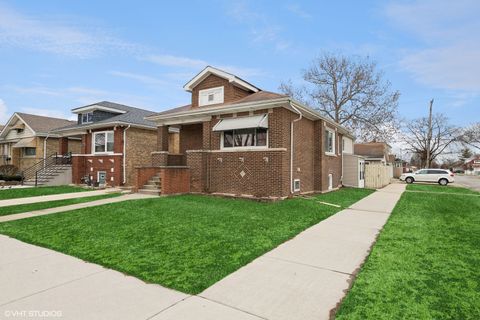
[472,182]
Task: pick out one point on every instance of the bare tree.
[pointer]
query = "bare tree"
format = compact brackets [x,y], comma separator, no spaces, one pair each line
[352,92]
[471,135]
[415,137]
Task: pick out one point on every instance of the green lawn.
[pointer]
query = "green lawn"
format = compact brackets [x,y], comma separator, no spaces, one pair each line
[39,191]
[51,204]
[438,188]
[184,242]
[425,264]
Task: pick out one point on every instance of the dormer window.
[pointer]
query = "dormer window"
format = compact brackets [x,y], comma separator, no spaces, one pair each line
[87,117]
[210,96]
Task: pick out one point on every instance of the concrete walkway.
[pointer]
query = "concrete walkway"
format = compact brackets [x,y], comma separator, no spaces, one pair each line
[303,278]
[133,196]
[54,197]
[307,276]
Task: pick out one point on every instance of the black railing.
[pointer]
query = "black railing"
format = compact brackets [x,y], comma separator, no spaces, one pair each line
[46,166]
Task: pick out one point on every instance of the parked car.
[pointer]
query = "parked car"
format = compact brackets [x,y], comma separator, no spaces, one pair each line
[440,176]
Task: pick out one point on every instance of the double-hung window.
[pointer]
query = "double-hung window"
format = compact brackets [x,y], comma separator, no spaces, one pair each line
[329,141]
[29,152]
[87,117]
[103,142]
[238,138]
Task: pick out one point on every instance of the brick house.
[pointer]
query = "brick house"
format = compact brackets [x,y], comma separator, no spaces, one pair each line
[114,139]
[234,138]
[27,139]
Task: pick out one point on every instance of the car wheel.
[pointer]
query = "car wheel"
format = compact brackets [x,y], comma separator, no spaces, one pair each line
[409,180]
[443,182]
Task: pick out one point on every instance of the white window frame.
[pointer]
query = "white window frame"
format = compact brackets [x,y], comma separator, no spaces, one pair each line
[93,142]
[295,189]
[222,139]
[330,153]
[203,96]
[87,115]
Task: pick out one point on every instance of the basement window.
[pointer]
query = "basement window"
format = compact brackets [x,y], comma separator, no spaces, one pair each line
[296,185]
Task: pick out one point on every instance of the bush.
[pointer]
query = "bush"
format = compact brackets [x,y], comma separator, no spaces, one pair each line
[8,170]
[15,177]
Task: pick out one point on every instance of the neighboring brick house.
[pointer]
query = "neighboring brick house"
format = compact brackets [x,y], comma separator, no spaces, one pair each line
[27,139]
[234,138]
[472,165]
[115,139]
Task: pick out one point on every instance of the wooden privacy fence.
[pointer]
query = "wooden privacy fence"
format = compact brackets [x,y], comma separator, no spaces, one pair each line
[377,175]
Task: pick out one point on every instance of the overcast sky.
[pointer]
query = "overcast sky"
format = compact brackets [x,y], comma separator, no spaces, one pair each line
[57,55]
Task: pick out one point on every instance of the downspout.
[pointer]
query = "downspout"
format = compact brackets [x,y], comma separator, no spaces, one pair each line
[45,149]
[125,154]
[291,144]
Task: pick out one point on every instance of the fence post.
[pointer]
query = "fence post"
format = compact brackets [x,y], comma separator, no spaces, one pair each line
[36,178]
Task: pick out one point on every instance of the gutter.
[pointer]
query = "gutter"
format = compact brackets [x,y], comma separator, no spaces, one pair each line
[45,149]
[291,145]
[125,154]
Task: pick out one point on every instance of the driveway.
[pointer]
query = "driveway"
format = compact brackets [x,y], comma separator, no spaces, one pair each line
[471,182]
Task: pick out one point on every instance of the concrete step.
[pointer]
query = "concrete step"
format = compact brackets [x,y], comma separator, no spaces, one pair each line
[150,191]
[151,187]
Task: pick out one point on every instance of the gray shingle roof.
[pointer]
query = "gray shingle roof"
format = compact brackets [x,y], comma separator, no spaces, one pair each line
[132,115]
[43,124]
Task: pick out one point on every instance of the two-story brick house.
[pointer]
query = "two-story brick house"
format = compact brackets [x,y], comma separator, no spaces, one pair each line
[234,138]
[115,138]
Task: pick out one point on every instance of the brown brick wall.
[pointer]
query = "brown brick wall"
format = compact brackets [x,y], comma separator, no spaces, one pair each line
[197,162]
[162,138]
[140,144]
[159,158]
[175,180]
[142,175]
[78,168]
[191,137]
[304,154]
[330,164]
[231,92]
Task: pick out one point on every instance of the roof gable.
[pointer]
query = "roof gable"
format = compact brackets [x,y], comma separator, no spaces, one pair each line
[35,123]
[190,85]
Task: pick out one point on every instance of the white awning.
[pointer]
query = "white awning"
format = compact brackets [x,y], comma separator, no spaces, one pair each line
[260,121]
[25,143]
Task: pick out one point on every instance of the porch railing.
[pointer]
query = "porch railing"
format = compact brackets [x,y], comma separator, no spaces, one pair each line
[176,160]
[46,166]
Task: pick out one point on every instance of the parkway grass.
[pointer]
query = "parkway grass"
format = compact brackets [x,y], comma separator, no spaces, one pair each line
[39,191]
[184,242]
[425,264]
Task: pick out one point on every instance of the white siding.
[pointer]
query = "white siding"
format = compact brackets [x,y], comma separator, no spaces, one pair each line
[347,145]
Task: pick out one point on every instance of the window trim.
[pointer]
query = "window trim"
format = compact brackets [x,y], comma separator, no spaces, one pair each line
[207,92]
[93,142]
[222,140]
[331,153]
[86,113]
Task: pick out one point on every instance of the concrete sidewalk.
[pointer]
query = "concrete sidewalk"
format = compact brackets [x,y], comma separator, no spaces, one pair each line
[306,277]
[303,278]
[54,197]
[133,196]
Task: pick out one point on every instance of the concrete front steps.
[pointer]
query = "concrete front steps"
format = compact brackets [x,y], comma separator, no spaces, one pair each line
[152,187]
[56,175]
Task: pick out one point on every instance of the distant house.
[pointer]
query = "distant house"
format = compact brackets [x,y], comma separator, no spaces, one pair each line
[115,138]
[472,165]
[27,139]
[375,152]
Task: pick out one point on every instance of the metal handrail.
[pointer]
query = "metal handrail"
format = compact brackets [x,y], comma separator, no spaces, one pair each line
[46,166]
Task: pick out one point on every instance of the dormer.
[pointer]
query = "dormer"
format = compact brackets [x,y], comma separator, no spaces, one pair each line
[213,86]
[95,112]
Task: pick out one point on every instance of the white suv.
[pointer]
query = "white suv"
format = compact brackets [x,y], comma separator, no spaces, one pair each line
[441,176]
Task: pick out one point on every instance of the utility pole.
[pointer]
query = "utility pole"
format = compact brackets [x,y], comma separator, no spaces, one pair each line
[429,134]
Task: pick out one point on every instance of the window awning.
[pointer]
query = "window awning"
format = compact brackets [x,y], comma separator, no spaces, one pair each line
[260,121]
[25,143]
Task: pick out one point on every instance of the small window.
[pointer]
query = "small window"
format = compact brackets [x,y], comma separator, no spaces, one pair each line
[254,137]
[29,152]
[329,141]
[103,142]
[296,185]
[87,117]
[210,96]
